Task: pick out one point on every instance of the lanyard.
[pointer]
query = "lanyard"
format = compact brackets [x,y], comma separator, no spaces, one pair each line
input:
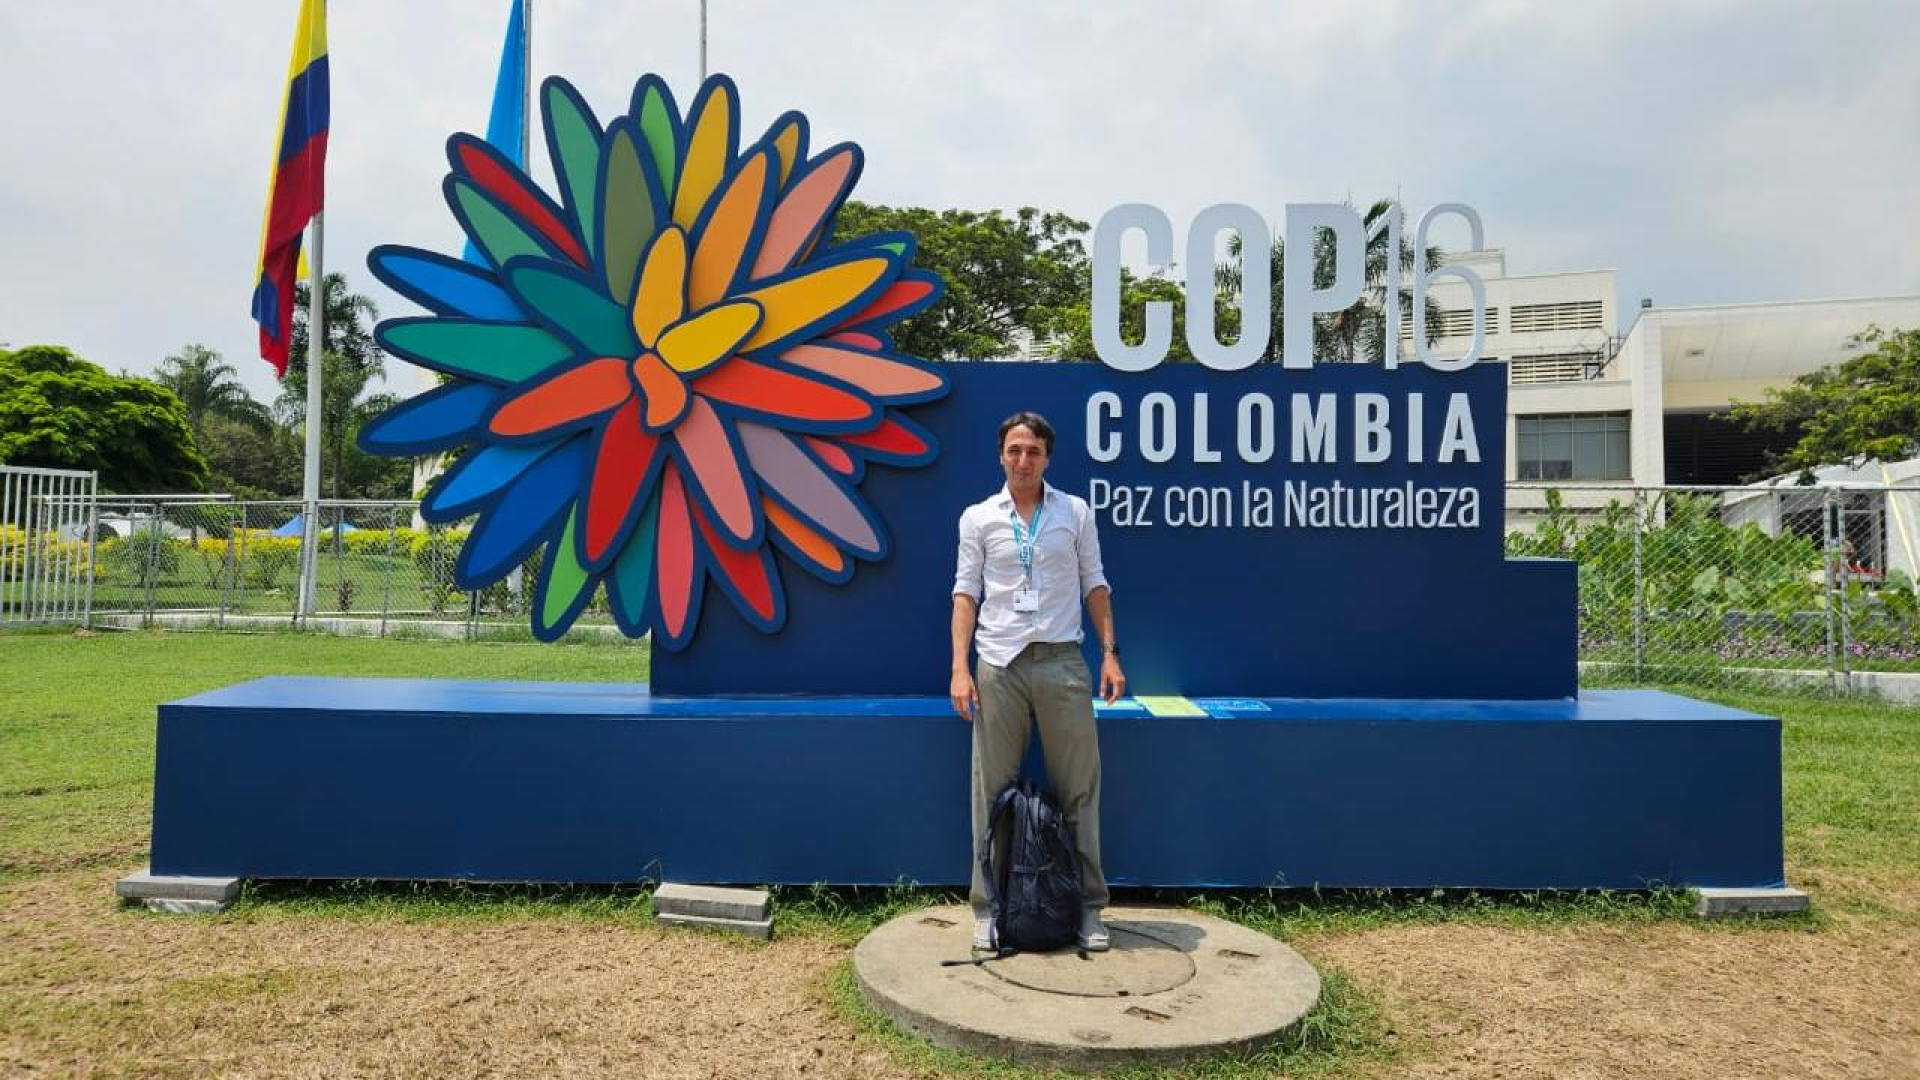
[1024,539]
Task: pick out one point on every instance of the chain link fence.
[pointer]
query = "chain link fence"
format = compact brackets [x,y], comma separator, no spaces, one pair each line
[1802,586]
[1721,587]
[220,565]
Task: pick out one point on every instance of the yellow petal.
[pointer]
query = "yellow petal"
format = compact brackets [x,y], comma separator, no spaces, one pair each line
[803,300]
[661,298]
[709,337]
[787,145]
[707,154]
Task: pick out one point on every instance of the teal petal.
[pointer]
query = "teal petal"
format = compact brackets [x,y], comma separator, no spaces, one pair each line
[575,140]
[493,229]
[502,353]
[632,574]
[601,326]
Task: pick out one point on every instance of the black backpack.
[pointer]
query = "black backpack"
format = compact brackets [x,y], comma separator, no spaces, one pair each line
[1035,898]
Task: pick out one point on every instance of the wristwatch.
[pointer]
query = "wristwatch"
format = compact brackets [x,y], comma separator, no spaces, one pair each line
[1111,648]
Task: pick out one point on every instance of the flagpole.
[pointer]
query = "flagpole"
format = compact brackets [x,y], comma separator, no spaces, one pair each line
[526,86]
[703,41]
[310,484]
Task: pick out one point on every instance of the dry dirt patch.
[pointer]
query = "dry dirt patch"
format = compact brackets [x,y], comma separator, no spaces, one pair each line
[1666,1001]
[88,990]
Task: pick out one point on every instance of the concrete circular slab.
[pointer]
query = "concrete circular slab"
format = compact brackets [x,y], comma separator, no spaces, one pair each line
[1177,986]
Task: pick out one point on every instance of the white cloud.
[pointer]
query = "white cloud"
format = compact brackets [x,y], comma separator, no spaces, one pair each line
[1709,150]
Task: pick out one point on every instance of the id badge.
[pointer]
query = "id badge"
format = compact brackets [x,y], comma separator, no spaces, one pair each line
[1027,599]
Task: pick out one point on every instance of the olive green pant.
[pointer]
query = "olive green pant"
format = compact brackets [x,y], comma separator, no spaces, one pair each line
[1047,682]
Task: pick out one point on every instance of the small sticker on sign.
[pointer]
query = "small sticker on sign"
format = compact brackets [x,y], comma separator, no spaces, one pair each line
[1221,707]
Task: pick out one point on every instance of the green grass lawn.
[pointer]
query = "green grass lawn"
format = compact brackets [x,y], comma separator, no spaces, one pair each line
[77,721]
[77,717]
[77,726]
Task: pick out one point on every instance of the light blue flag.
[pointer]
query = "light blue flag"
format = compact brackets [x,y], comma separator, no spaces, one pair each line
[509,116]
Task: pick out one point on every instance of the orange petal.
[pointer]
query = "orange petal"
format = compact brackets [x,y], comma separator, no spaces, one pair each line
[666,395]
[661,299]
[798,533]
[723,240]
[768,390]
[593,387]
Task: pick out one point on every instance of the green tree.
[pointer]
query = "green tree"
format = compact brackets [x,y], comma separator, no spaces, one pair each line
[1357,333]
[250,461]
[1865,408]
[351,364]
[59,411]
[1004,274]
[1076,342]
[209,386]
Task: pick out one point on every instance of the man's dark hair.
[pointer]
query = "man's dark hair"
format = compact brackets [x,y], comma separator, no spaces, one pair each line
[1033,422]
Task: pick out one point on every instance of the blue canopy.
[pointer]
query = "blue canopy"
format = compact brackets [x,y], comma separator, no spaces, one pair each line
[296,527]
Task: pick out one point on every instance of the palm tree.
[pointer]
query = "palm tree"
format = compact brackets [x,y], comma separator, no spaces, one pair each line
[209,386]
[1354,334]
[350,363]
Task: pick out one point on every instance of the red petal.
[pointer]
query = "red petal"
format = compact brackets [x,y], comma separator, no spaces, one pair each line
[593,387]
[756,386]
[675,562]
[857,340]
[888,438]
[512,191]
[746,570]
[898,295]
[833,454]
[619,464]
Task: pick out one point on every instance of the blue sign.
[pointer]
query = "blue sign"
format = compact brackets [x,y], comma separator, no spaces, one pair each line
[1332,532]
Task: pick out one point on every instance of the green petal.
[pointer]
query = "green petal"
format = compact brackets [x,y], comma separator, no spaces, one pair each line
[633,567]
[629,217]
[577,135]
[491,352]
[493,230]
[565,301]
[566,580]
[656,125]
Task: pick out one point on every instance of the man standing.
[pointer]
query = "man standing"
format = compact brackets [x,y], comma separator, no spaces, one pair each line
[1029,556]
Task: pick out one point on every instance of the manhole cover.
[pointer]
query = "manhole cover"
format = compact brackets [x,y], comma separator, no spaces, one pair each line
[1137,965]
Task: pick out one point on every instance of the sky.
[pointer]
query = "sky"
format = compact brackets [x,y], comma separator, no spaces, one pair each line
[1709,151]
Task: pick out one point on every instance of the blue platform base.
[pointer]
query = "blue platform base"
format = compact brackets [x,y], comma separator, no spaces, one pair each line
[405,779]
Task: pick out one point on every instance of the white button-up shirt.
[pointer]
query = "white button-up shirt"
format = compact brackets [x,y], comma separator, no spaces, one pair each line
[1066,567]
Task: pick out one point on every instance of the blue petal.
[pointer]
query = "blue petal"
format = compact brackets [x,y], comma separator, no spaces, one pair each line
[479,476]
[528,511]
[444,285]
[439,418]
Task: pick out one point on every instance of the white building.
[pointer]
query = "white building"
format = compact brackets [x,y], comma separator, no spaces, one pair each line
[1591,406]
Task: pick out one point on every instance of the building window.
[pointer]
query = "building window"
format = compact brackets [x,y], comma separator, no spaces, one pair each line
[1555,367]
[1453,322]
[1579,446]
[1540,318]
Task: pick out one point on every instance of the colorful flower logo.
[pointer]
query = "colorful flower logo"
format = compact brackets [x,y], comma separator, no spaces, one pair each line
[664,376]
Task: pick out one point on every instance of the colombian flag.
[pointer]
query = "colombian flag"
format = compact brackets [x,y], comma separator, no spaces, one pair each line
[298,184]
